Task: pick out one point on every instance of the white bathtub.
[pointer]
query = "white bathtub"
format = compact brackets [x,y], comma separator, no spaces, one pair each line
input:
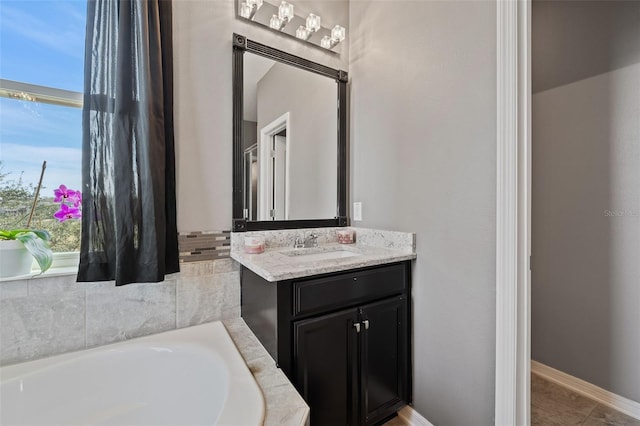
[192,376]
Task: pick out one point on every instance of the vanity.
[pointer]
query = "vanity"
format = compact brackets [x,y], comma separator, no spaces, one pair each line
[336,318]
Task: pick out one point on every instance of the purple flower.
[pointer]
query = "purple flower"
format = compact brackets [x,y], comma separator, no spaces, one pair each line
[63,194]
[70,203]
[77,202]
[66,213]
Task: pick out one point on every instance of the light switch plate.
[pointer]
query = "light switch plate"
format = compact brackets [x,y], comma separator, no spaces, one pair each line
[357,211]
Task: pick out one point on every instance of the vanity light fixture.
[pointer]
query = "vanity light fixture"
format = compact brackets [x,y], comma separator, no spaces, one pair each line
[279,15]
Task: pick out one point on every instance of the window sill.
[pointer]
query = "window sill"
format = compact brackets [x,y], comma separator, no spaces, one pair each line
[51,272]
[64,264]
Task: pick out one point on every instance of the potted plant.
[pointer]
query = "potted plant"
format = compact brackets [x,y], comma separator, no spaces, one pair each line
[18,248]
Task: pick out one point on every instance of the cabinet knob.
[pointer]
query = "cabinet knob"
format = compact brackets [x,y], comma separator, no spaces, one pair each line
[357,327]
[366,324]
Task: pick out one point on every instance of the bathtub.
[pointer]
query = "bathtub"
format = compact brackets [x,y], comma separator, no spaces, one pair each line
[192,376]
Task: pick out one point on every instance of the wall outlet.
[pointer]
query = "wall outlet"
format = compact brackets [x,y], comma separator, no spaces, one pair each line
[357,211]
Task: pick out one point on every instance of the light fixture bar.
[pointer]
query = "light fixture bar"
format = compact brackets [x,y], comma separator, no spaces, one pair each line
[279,14]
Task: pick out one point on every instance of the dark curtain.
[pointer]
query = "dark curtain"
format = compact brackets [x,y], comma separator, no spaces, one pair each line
[128,159]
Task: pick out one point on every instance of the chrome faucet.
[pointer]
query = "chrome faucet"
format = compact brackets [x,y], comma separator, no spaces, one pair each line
[311,240]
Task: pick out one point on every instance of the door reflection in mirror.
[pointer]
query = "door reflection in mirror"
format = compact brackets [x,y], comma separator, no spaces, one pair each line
[250,182]
[277,191]
[273,166]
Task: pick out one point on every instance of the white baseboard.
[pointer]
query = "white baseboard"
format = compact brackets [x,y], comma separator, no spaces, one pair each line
[412,418]
[620,403]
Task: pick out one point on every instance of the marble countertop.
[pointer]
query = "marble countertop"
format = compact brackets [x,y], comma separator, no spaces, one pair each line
[283,263]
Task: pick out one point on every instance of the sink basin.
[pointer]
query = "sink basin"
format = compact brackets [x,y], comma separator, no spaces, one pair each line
[316,254]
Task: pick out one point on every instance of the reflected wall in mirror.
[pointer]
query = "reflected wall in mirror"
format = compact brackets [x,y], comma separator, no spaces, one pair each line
[289,140]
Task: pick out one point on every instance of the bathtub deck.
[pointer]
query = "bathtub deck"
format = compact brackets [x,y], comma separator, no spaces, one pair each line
[284,406]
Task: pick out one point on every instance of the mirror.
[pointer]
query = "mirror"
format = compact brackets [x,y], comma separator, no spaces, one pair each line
[289,140]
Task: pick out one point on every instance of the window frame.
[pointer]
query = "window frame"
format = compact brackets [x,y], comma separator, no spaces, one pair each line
[43,94]
[28,92]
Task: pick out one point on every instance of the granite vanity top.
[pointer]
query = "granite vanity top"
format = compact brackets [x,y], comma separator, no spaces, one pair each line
[280,261]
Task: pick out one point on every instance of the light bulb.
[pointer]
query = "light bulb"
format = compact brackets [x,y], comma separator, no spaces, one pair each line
[338,34]
[245,11]
[285,11]
[302,32]
[275,22]
[326,42]
[255,3]
[313,22]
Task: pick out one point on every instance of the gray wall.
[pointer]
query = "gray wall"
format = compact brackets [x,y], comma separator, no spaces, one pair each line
[202,57]
[249,133]
[574,40]
[586,194]
[311,100]
[423,159]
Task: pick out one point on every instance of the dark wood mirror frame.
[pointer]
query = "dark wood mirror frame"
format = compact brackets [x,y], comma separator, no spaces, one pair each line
[241,45]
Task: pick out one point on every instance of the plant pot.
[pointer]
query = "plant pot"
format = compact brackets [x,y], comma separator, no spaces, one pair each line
[15,260]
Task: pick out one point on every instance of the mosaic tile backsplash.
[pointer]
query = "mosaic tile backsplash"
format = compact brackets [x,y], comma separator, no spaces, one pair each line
[207,245]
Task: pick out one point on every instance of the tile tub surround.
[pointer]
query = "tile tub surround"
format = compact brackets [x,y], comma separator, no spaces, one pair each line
[374,247]
[44,316]
[284,406]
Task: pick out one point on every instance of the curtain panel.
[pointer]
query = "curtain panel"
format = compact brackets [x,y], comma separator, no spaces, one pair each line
[129,231]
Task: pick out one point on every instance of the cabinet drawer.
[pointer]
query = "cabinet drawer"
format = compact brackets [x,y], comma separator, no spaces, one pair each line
[327,293]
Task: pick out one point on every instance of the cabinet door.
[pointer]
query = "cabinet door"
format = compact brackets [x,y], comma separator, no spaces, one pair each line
[384,356]
[325,364]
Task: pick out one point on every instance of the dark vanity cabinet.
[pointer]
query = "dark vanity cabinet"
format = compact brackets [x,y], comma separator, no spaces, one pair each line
[341,338]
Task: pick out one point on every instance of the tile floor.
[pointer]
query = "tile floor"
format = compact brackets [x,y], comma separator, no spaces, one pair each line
[554,405]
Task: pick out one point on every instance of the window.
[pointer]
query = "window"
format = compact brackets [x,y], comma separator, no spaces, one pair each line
[41,80]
